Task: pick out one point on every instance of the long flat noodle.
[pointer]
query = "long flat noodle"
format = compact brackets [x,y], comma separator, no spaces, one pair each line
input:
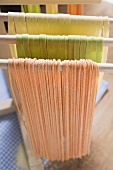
[25,44]
[35,24]
[32,46]
[32,9]
[31,23]
[88,47]
[43,46]
[37,46]
[75,9]
[42,21]
[24,8]
[17,23]
[99,49]
[56,47]
[61,44]
[36,8]
[77,48]
[99,26]
[83,47]
[52,20]
[50,47]
[66,47]
[51,8]
[69,9]
[80,9]
[71,48]
[72,9]
[19,46]
[67,23]
[93,49]
[63,20]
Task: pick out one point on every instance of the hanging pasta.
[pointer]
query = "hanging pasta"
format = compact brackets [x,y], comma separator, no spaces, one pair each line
[57,102]
[75,9]
[58,24]
[51,8]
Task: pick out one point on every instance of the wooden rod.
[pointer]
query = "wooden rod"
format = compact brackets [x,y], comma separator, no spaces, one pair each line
[43,2]
[103,67]
[11,39]
[4,17]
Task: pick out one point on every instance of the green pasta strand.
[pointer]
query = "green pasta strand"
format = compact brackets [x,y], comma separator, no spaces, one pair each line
[37,47]
[19,46]
[26,49]
[61,46]
[43,44]
[32,46]
[77,48]
[30,8]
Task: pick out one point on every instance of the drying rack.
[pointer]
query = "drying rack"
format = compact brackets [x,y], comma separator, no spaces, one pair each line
[35,163]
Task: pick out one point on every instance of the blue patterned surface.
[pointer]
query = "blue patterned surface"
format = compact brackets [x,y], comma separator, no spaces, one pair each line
[10,135]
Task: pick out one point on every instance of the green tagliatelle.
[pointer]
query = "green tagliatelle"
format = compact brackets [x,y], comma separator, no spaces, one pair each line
[59,47]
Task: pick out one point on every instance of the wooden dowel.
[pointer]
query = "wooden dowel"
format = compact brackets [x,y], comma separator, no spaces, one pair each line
[7,39]
[4,17]
[103,67]
[43,2]
[11,39]
[3,63]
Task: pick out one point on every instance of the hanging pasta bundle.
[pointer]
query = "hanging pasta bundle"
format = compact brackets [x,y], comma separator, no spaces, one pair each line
[57,101]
